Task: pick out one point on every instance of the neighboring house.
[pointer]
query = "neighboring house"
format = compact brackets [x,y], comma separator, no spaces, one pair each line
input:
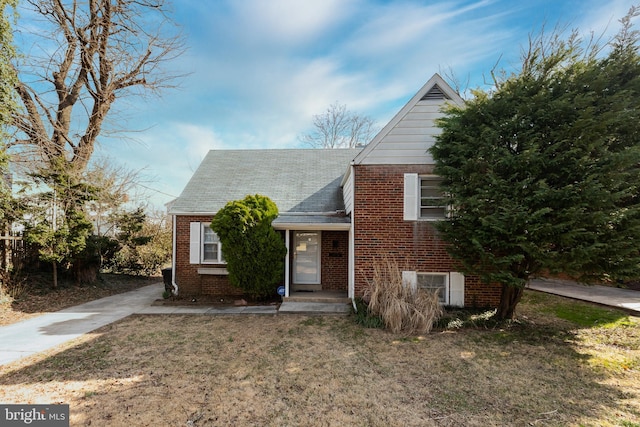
[342,211]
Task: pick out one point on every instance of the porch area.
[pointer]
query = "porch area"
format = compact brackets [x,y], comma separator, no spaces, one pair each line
[318,258]
[335,297]
[316,302]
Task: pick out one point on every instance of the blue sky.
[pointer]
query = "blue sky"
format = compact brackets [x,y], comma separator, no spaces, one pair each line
[259,70]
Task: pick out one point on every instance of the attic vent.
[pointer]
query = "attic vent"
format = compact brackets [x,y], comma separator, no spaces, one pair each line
[434,93]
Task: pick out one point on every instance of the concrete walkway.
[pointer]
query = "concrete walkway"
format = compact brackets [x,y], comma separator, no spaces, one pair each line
[625,299]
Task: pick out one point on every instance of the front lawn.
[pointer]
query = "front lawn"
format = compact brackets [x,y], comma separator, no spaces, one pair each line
[544,370]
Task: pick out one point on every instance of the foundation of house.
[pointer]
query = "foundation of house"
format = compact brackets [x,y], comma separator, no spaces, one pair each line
[330,297]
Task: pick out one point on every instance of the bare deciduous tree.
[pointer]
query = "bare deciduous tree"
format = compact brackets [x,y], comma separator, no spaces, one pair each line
[114,184]
[96,51]
[339,128]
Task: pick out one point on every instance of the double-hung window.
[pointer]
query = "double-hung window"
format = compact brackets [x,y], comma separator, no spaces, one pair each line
[431,199]
[449,285]
[423,198]
[433,282]
[211,247]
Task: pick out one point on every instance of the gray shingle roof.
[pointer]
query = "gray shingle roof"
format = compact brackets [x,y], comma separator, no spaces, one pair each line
[297,180]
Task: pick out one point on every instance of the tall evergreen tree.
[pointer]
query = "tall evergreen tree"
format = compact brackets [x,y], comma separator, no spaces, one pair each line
[8,76]
[8,105]
[543,173]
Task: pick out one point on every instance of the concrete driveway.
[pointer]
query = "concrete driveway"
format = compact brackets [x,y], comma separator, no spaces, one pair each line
[626,299]
[49,330]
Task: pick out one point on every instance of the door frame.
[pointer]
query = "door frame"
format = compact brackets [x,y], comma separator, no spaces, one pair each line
[306,286]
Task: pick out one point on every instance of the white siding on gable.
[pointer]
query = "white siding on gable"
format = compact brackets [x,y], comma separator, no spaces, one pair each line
[432,107]
[409,140]
[414,131]
[406,139]
[347,194]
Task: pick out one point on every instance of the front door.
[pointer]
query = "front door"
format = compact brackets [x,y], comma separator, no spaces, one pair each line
[306,261]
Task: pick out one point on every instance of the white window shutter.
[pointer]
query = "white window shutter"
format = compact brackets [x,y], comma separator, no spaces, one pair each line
[410,278]
[194,243]
[411,184]
[456,289]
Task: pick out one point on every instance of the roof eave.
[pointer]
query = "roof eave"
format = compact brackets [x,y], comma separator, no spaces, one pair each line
[312,226]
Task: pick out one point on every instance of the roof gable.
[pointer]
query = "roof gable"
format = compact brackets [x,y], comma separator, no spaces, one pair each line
[408,136]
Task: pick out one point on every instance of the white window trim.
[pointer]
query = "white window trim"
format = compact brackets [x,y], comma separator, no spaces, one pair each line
[445,291]
[419,200]
[454,285]
[204,225]
[413,200]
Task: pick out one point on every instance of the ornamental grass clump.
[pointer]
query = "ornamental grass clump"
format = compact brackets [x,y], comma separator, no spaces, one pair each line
[402,307]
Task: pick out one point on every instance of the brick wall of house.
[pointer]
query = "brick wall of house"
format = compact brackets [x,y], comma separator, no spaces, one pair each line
[335,257]
[187,278]
[381,232]
[334,253]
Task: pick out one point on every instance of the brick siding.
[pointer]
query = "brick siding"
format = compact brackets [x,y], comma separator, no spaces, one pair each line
[187,278]
[381,232]
[334,253]
[335,260]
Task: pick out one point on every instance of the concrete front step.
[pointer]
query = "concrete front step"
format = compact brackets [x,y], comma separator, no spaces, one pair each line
[299,307]
[329,297]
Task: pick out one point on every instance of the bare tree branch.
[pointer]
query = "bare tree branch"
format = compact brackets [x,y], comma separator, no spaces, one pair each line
[339,128]
[97,52]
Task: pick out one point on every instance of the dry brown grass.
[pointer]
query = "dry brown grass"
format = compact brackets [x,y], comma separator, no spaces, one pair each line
[300,371]
[402,308]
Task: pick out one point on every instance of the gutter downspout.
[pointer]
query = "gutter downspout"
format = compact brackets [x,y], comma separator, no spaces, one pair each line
[352,261]
[173,257]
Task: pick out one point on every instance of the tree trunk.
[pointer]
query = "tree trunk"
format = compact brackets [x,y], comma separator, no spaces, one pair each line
[55,274]
[509,299]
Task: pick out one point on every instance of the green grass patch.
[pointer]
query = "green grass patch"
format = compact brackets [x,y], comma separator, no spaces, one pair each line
[587,315]
[313,321]
[365,318]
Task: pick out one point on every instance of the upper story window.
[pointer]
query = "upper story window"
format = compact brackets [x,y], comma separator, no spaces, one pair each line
[431,206]
[423,198]
[211,246]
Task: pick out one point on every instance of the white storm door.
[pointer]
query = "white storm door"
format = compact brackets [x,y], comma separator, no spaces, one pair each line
[306,258]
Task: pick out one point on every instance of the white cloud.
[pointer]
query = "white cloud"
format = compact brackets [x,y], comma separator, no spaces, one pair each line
[262,69]
[288,22]
[380,54]
[603,17]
